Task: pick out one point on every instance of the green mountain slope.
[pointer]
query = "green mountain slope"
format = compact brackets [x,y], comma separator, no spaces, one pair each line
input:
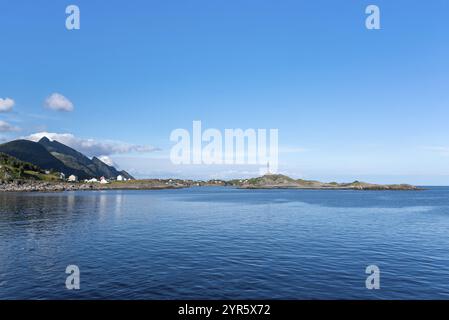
[34,153]
[12,169]
[77,161]
[70,157]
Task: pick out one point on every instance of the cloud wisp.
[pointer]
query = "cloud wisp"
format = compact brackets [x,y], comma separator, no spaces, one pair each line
[92,147]
[6,104]
[6,127]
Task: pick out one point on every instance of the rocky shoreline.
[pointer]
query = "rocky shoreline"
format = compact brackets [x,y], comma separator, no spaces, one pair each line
[157,184]
[42,186]
[362,188]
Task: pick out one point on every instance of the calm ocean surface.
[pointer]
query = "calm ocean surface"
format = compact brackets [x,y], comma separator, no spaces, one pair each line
[219,243]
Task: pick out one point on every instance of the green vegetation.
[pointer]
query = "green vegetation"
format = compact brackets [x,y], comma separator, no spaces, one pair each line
[273,181]
[32,152]
[57,157]
[12,169]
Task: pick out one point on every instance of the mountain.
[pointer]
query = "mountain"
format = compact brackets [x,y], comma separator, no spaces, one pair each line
[109,171]
[53,155]
[78,161]
[70,157]
[126,175]
[34,153]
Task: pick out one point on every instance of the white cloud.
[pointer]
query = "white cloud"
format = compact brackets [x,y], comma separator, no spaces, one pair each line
[107,160]
[58,102]
[6,104]
[91,147]
[6,127]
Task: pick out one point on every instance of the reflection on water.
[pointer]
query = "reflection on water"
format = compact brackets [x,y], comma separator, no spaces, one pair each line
[225,243]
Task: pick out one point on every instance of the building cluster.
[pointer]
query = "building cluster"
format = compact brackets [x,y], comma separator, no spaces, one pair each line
[102,180]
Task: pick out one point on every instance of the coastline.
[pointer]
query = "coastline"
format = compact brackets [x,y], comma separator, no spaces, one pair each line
[367,188]
[158,184]
[41,186]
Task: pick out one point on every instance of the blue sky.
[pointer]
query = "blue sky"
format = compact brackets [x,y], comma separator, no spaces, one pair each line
[349,103]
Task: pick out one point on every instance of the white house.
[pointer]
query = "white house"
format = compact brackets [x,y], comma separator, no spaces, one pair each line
[73,178]
[119,178]
[93,180]
[103,180]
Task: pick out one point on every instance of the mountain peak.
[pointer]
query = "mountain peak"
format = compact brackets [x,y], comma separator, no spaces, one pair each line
[44,139]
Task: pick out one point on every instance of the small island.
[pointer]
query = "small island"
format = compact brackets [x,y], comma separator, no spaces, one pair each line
[279,181]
